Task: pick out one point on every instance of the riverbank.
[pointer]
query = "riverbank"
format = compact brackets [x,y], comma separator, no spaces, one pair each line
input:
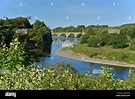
[70,54]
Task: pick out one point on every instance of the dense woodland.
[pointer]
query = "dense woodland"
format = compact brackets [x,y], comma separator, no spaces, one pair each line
[38,33]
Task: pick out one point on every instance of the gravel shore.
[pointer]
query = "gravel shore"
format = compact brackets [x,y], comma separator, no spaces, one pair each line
[77,56]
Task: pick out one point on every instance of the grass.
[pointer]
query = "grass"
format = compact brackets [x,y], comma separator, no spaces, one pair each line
[106,52]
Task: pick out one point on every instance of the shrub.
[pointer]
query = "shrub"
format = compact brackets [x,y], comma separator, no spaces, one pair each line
[62,77]
[13,57]
[132,47]
[93,41]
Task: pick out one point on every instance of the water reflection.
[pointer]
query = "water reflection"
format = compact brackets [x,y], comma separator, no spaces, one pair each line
[80,66]
[64,39]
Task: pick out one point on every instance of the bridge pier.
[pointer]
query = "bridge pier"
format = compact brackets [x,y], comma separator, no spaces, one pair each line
[58,36]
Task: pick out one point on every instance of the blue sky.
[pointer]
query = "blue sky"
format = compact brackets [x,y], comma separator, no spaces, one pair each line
[62,13]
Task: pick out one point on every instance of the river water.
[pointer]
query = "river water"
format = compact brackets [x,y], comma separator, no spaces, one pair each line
[80,66]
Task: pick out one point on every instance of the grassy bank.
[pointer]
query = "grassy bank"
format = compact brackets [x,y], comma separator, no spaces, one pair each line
[106,52]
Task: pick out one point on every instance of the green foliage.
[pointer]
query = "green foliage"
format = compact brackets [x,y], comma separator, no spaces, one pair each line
[132,47]
[121,56]
[62,77]
[37,24]
[133,41]
[132,34]
[79,28]
[84,39]
[107,39]
[19,22]
[40,32]
[89,31]
[93,41]
[58,29]
[120,41]
[105,52]
[13,57]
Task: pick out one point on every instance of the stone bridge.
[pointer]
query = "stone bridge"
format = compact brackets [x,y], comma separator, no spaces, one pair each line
[67,34]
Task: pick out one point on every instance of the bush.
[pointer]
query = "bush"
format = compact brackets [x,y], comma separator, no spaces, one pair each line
[84,39]
[13,57]
[63,77]
[93,41]
[132,47]
[120,41]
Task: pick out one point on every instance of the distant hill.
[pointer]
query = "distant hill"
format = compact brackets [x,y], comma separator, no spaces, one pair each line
[128,24]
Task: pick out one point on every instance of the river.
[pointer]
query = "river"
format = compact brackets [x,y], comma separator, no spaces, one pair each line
[80,66]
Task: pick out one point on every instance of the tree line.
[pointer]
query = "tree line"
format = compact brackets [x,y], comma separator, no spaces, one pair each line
[37,32]
[98,35]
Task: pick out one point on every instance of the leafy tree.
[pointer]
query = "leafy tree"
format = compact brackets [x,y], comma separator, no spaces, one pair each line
[58,29]
[132,35]
[84,39]
[22,22]
[107,39]
[80,28]
[37,24]
[120,41]
[71,29]
[89,31]
[94,41]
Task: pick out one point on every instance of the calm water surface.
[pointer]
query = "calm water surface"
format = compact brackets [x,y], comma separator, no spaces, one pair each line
[80,66]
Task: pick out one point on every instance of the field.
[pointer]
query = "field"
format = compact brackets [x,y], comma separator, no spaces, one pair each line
[106,52]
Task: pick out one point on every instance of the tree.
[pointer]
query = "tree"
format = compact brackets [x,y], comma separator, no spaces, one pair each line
[71,29]
[94,41]
[45,33]
[79,28]
[120,41]
[132,34]
[21,22]
[89,31]
[58,29]
[37,24]
[84,39]
[107,39]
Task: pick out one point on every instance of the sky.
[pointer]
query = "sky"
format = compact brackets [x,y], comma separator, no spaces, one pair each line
[63,13]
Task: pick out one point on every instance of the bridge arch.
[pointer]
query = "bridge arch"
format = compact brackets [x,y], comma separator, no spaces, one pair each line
[78,35]
[62,35]
[71,34]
